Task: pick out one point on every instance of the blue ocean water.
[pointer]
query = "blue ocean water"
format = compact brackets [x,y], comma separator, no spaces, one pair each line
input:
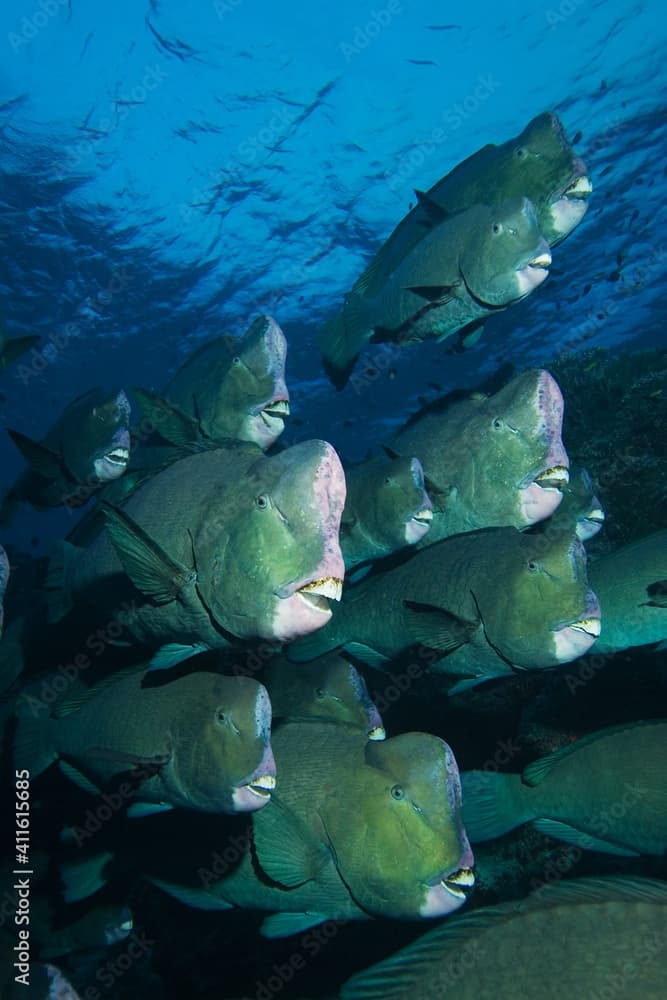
[168,171]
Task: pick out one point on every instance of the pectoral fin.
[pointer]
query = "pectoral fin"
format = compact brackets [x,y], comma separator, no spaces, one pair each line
[167,419]
[657,593]
[432,293]
[287,849]
[140,809]
[437,628]
[199,899]
[562,831]
[40,459]
[148,566]
[174,653]
[77,778]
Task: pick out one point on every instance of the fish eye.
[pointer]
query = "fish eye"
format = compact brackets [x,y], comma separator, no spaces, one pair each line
[397,792]
[320,693]
[497,228]
[262,501]
[498,423]
[532,566]
[520,152]
[220,716]
[387,480]
[236,361]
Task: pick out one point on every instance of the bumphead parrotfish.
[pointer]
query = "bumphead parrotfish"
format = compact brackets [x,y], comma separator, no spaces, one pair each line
[329,688]
[221,545]
[464,269]
[491,460]
[360,829]
[227,389]
[582,938]
[539,164]
[485,602]
[632,586]
[201,741]
[386,508]
[89,445]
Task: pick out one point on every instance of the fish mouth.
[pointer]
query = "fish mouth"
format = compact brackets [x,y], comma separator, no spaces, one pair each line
[275,412]
[318,593]
[424,516]
[118,456]
[458,884]
[589,626]
[554,478]
[254,794]
[417,525]
[580,189]
[376,733]
[542,260]
[262,786]
[533,271]
[569,207]
[574,638]
[596,516]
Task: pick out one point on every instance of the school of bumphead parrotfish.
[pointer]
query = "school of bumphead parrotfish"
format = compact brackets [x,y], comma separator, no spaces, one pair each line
[225,602]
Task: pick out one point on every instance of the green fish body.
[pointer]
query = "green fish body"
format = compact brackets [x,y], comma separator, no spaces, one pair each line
[228,389]
[386,508]
[88,446]
[539,164]
[445,599]
[358,829]
[463,269]
[491,460]
[221,545]
[632,587]
[329,688]
[198,742]
[606,792]
[580,510]
[580,938]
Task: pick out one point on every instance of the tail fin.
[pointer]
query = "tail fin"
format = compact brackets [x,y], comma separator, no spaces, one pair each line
[14,348]
[83,878]
[342,338]
[32,746]
[57,586]
[493,804]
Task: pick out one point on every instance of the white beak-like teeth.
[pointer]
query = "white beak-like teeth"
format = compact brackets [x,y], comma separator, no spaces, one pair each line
[591,626]
[553,479]
[582,187]
[278,408]
[120,456]
[330,588]
[463,879]
[596,515]
[263,785]
[464,876]
[543,260]
[423,515]
[377,733]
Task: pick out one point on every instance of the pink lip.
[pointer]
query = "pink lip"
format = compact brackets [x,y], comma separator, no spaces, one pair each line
[572,641]
[243,797]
